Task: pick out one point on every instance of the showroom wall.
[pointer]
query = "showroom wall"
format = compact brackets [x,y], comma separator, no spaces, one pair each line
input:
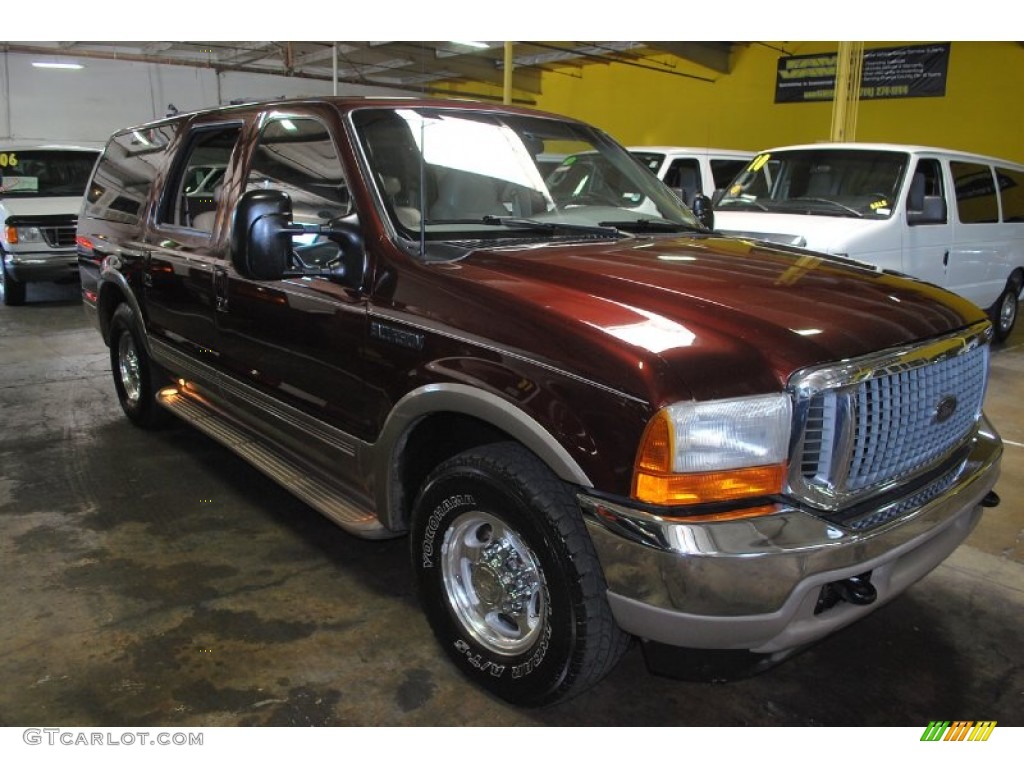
[981,112]
[88,104]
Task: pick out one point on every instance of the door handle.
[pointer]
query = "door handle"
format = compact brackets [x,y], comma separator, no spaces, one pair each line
[945,259]
[220,290]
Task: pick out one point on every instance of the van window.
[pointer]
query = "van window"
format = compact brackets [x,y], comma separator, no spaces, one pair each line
[725,171]
[975,193]
[684,174]
[926,188]
[38,173]
[189,200]
[652,160]
[1011,190]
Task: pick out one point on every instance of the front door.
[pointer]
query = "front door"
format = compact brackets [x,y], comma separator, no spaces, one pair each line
[294,345]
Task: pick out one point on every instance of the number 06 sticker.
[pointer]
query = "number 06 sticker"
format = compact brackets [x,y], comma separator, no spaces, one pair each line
[8,159]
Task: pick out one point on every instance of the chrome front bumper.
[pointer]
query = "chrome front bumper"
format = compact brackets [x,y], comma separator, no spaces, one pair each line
[753,584]
[42,266]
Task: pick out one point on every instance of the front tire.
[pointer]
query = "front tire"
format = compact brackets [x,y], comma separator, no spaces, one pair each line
[1004,312]
[13,290]
[135,376]
[509,579]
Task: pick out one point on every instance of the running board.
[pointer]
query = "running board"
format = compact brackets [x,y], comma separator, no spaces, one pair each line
[322,493]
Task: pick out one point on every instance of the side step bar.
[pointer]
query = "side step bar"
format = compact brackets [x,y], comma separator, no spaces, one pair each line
[322,493]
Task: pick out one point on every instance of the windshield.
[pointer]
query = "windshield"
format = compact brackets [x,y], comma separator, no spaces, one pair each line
[45,172]
[855,183]
[452,174]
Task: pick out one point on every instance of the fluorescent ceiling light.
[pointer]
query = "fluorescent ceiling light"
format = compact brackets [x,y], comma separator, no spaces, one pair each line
[470,43]
[55,65]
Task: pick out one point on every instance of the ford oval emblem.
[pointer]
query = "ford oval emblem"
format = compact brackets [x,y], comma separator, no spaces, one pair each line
[945,409]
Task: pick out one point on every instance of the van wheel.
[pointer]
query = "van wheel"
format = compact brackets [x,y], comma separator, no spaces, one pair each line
[13,290]
[1004,313]
[509,579]
[135,376]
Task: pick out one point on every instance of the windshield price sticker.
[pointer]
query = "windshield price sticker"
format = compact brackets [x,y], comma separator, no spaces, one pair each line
[758,163]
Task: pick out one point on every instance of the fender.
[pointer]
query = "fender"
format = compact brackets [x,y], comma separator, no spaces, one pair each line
[111,279]
[432,399]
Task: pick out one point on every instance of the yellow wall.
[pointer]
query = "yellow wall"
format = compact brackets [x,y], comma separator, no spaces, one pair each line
[982,110]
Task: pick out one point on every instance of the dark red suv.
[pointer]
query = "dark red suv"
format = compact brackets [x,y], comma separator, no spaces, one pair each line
[595,417]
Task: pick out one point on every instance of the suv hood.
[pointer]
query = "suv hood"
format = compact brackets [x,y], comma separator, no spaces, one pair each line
[700,316]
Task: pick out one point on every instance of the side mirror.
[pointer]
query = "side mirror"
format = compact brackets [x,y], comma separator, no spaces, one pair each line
[933,211]
[703,210]
[261,234]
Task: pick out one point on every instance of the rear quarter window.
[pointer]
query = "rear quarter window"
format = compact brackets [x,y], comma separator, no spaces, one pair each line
[123,179]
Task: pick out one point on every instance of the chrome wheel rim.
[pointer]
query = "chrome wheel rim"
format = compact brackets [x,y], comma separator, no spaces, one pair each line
[1007,312]
[494,583]
[128,367]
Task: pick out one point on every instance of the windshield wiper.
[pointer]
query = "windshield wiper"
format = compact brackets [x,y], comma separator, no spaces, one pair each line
[551,227]
[835,203]
[651,225]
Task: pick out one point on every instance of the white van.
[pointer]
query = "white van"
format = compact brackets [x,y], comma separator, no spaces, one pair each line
[689,170]
[950,218]
[41,188]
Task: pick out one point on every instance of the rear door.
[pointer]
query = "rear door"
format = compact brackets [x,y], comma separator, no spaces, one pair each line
[978,260]
[186,246]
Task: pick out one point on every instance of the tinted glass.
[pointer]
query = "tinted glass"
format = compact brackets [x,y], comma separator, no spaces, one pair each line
[124,176]
[297,156]
[45,172]
[975,193]
[189,202]
[1011,189]
[725,171]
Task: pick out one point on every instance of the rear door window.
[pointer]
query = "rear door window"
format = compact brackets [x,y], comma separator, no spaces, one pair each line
[975,193]
[191,196]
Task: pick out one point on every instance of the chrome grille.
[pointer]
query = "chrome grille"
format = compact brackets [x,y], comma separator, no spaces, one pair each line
[57,237]
[865,426]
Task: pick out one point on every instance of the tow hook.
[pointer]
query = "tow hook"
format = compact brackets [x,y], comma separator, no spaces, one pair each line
[856,590]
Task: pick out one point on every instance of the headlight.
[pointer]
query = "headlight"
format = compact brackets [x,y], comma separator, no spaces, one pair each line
[24,235]
[696,453]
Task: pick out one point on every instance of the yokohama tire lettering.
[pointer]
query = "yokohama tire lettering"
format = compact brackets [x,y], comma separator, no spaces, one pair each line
[434,521]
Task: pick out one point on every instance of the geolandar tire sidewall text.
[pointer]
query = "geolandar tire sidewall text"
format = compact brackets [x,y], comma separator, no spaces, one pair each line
[528,678]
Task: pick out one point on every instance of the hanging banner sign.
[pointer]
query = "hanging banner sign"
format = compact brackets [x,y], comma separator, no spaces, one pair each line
[887,73]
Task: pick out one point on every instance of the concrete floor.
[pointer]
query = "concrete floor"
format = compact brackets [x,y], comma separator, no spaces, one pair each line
[155,579]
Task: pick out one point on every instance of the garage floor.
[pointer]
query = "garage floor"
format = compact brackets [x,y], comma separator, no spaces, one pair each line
[155,579]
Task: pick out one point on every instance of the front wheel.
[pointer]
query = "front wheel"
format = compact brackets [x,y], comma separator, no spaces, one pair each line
[13,291]
[1004,313]
[509,579]
[135,376]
